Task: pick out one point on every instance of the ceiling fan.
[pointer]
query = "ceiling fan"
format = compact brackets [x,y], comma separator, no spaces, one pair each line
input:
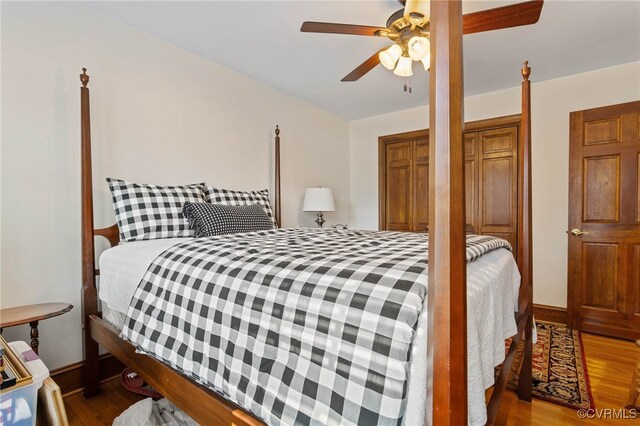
[409,29]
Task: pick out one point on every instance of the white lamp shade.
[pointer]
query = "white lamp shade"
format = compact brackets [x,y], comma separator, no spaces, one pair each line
[389,57]
[318,200]
[417,6]
[418,48]
[403,69]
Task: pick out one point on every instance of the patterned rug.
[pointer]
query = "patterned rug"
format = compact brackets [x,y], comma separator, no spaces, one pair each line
[559,367]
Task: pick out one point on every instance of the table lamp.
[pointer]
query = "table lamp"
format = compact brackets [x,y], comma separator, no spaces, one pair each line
[319,200]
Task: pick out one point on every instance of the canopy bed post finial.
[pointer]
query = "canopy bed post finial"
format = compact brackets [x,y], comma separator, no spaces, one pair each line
[278,206]
[447,295]
[526,71]
[84,77]
[525,230]
[91,369]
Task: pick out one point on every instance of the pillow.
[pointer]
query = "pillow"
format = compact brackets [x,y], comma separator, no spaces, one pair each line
[241,198]
[148,212]
[217,219]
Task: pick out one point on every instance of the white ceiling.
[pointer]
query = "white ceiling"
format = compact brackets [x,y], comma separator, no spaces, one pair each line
[262,39]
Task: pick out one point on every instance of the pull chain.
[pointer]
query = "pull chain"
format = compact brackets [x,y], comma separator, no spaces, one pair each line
[407,88]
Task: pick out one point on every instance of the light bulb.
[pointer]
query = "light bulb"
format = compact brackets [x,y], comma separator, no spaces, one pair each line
[403,69]
[389,57]
[426,62]
[418,47]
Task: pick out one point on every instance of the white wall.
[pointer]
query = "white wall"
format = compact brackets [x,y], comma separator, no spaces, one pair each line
[159,115]
[552,101]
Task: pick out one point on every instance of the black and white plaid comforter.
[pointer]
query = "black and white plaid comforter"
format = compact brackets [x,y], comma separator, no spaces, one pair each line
[298,326]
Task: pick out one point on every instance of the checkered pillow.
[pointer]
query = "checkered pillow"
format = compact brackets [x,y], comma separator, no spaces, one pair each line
[217,219]
[148,212]
[241,198]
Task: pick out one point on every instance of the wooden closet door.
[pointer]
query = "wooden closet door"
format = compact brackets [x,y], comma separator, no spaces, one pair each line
[498,183]
[604,221]
[399,186]
[421,185]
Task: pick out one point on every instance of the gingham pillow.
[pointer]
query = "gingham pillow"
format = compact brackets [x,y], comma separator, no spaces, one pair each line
[241,198]
[149,212]
[207,219]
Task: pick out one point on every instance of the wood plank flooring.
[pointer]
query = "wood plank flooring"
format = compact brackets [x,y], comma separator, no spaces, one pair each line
[610,364]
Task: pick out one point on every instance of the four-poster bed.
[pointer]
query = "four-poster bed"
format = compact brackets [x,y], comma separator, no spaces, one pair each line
[447,348]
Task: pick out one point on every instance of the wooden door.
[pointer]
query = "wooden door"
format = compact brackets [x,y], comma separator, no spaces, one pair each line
[399,182]
[604,214]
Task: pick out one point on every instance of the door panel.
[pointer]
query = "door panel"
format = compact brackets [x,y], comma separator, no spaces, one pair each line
[601,199]
[497,207]
[421,184]
[471,179]
[602,131]
[604,205]
[600,275]
[638,189]
[497,199]
[398,197]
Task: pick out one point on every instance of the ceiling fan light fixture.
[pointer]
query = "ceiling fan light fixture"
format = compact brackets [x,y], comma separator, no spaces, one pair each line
[418,47]
[389,57]
[403,68]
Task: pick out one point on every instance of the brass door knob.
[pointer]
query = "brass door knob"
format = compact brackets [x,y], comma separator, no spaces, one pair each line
[576,232]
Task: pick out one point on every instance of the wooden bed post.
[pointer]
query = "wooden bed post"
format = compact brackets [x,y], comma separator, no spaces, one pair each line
[277,195]
[91,367]
[525,241]
[447,295]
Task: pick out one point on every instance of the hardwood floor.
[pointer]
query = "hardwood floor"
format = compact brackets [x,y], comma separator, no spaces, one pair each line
[101,409]
[610,364]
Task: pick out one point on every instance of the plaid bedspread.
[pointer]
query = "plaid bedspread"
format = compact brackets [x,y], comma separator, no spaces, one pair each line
[298,326]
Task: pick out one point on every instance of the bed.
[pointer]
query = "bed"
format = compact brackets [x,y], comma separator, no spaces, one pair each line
[444,382]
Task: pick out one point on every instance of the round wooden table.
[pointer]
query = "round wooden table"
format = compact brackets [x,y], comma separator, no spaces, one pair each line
[32,314]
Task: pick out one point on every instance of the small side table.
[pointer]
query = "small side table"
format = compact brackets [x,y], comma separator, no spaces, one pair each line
[31,314]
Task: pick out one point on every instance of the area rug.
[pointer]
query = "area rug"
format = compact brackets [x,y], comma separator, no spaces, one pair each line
[559,367]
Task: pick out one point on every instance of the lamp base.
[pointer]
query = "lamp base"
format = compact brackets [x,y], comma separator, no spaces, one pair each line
[320,220]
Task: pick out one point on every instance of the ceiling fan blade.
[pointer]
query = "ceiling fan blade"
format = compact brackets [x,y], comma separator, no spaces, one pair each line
[514,15]
[364,67]
[331,28]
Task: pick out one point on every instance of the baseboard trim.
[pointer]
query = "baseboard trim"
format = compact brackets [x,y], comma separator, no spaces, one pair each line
[69,377]
[550,313]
